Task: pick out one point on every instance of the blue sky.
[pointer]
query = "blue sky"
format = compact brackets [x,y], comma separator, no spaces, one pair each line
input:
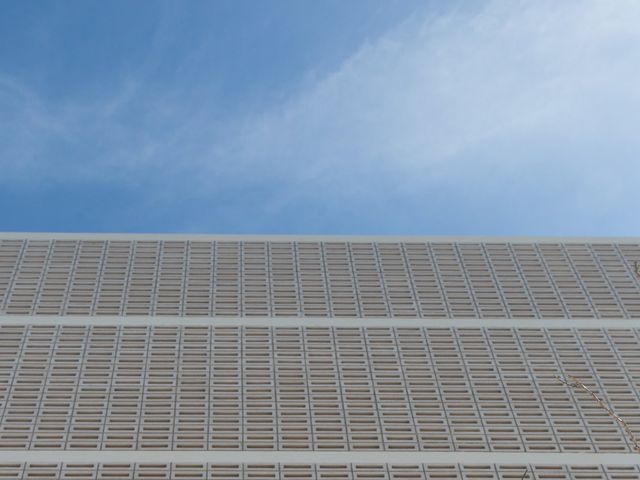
[363,117]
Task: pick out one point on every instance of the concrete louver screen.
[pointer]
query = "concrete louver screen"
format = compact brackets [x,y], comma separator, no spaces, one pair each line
[160,357]
[298,471]
[319,279]
[314,388]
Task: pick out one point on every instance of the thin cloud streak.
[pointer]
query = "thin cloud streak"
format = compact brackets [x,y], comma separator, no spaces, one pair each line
[448,86]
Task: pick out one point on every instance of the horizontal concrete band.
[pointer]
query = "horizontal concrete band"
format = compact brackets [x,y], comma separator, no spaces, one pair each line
[306,457]
[309,238]
[322,322]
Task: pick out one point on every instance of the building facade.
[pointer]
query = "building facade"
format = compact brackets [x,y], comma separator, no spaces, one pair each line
[220,357]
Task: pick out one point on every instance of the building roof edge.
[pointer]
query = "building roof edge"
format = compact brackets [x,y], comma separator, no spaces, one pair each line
[312,238]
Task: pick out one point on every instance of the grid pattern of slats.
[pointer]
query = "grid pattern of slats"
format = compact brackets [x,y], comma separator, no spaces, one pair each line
[315,388]
[319,279]
[269,471]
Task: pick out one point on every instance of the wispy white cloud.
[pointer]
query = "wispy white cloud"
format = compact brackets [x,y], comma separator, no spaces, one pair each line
[444,87]
[444,100]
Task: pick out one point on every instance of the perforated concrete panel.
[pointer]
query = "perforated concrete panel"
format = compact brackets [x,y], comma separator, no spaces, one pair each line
[315,388]
[267,471]
[319,278]
[147,357]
